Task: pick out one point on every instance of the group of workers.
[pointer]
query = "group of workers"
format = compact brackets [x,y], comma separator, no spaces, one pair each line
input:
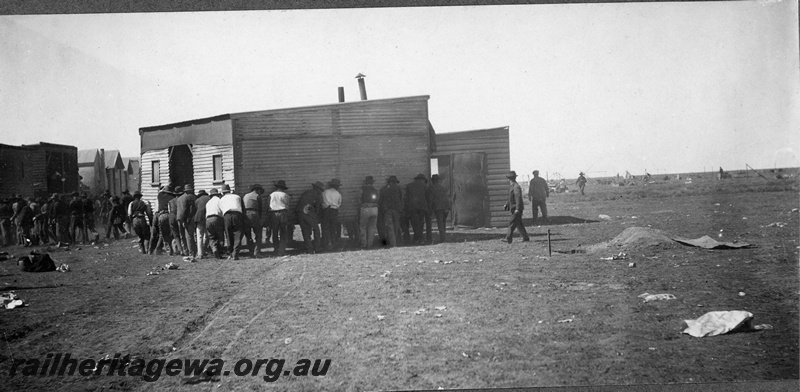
[220,222]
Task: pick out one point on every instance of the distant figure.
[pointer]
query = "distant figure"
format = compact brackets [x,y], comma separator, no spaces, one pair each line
[231,206]
[440,203]
[538,192]
[279,217]
[253,206]
[308,209]
[140,212]
[215,223]
[417,203]
[581,182]
[187,209]
[200,222]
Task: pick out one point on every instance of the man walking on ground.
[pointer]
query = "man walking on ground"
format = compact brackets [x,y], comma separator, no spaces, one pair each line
[279,217]
[368,214]
[390,206]
[440,204]
[215,224]
[581,182]
[200,222]
[76,218]
[140,213]
[186,213]
[252,207]
[538,192]
[515,205]
[307,210]
[88,217]
[231,207]
[331,228]
[174,230]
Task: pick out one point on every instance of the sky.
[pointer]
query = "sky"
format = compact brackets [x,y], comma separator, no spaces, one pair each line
[599,88]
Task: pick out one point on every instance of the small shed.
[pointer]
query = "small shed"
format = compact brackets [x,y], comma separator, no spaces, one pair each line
[91,167]
[346,140]
[38,169]
[116,172]
[473,166]
[132,170]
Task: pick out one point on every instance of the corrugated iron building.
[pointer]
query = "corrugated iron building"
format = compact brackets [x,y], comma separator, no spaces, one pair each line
[91,166]
[473,165]
[347,140]
[38,169]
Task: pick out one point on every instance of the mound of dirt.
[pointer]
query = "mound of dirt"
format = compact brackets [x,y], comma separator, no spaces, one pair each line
[635,238]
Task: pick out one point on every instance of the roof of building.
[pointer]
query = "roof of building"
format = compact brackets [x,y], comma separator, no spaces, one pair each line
[87,156]
[114,160]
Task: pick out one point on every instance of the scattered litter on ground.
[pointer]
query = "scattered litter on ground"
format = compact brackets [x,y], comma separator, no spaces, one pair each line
[569,320]
[189,259]
[381,317]
[631,265]
[386,274]
[794,210]
[5,256]
[742,294]
[437,315]
[63,268]
[287,341]
[707,242]
[152,273]
[36,262]
[421,261]
[440,307]
[11,300]
[777,224]
[604,217]
[722,322]
[656,297]
[620,256]
[171,266]
[437,261]
[451,261]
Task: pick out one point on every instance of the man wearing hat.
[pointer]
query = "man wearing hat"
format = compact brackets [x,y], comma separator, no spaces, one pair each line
[368,214]
[516,206]
[160,232]
[417,203]
[331,228]
[140,213]
[200,221]
[186,213]
[279,217]
[252,210]
[76,218]
[440,204]
[88,217]
[308,208]
[59,215]
[390,206]
[215,223]
[538,192]
[581,182]
[126,200]
[231,207]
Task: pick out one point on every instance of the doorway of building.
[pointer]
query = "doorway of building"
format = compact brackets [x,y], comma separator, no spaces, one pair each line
[181,168]
[470,191]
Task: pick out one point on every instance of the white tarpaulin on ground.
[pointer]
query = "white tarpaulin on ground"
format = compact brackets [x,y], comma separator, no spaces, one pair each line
[710,243]
[718,323]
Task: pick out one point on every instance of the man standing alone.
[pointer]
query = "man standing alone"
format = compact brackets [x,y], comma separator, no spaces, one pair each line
[581,182]
[538,192]
[515,205]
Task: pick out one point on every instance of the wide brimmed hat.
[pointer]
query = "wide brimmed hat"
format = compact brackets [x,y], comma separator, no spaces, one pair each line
[125,192]
[225,188]
[115,198]
[335,183]
[178,190]
[136,193]
[319,185]
[201,192]
[512,174]
[392,179]
[188,188]
[166,189]
[73,194]
[434,177]
[280,184]
[256,186]
[369,180]
[580,174]
[213,191]
[535,172]
[420,176]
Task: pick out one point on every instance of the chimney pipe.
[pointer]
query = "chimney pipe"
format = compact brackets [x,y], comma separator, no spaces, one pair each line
[362,88]
[341,94]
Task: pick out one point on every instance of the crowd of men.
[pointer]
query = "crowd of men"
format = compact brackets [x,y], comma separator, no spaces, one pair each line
[220,223]
[61,219]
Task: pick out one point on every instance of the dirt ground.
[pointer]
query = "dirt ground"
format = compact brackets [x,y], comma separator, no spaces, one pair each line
[509,315]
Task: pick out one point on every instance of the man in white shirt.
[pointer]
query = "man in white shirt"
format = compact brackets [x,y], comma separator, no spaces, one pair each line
[279,217]
[231,206]
[331,201]
[215,224]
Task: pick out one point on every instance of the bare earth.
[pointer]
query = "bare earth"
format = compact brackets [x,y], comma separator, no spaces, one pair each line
[514,315]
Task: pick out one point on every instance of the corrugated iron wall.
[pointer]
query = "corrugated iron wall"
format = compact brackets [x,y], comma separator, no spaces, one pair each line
[203,162]
[495,143]
[22,171]
[347,141]
[150,191]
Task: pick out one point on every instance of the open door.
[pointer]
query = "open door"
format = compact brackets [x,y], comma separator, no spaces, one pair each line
[181,167]
[470,190]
